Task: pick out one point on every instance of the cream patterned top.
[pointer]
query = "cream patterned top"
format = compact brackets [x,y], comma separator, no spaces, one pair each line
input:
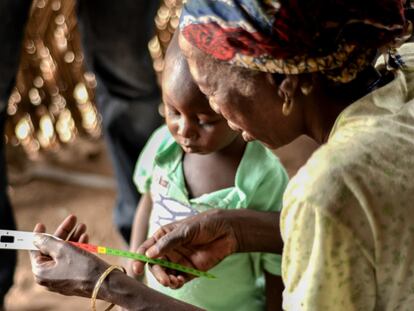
[348,215]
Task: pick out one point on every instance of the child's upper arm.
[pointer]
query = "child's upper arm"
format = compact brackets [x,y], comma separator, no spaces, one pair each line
[146,161]
[144,207]
[141,221]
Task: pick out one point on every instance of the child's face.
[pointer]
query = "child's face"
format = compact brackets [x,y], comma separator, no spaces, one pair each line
[191,121]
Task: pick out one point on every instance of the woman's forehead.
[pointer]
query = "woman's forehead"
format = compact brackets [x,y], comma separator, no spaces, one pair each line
[186,47]
[194,56]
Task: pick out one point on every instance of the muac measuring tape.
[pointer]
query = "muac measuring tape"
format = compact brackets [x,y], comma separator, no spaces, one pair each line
[10,239]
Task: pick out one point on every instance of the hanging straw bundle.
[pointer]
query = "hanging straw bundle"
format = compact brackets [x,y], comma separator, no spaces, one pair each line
[52,101]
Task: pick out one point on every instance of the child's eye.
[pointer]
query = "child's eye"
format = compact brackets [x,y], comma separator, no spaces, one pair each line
[203,123]
[172,112]
[207,123]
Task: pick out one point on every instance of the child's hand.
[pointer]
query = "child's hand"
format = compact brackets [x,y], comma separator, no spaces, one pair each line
[200,242]
[129,264]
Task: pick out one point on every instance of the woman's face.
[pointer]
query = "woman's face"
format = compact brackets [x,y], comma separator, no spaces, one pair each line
[248,100]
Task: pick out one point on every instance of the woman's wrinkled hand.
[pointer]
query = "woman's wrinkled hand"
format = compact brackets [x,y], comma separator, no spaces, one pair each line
[62,267]
[200,242]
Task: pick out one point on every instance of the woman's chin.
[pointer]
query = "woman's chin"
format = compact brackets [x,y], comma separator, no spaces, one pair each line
[271,145]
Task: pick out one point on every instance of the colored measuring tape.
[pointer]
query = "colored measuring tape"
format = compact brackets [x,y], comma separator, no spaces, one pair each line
[121,253]
[11,239]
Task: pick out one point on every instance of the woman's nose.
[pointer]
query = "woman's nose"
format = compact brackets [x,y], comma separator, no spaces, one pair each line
[233,126]
[214,105]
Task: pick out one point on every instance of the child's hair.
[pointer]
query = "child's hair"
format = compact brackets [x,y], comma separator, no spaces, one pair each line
[176,67]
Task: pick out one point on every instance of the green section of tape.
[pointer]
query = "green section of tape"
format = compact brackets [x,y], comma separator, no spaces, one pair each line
[161,262]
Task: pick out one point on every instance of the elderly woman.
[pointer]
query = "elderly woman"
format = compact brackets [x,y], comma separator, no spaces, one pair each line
[276,70]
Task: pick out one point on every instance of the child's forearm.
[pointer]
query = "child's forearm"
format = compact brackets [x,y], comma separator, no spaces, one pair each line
[132,295]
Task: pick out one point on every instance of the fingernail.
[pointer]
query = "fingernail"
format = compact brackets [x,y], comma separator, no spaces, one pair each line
[151,252]
[135,269]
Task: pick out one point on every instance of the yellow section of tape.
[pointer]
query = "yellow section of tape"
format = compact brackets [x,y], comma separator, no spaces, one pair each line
[101,250]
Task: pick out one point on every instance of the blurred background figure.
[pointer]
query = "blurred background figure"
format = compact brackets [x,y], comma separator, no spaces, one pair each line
[115,39]
[13,16]
[52,101]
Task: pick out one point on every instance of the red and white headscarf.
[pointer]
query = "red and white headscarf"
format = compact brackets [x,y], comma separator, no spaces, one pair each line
[336,37]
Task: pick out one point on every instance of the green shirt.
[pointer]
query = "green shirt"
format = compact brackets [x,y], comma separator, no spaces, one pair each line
[259,184]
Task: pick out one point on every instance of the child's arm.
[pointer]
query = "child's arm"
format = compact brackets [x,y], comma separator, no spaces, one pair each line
[274,290]
[140,225]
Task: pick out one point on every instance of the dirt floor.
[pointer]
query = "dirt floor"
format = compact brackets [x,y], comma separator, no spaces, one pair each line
[76,180]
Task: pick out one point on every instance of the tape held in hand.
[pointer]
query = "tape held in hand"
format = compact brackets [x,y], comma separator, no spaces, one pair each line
[10,239]
[126,254]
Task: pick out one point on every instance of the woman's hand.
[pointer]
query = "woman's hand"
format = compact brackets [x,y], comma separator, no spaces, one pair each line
[62,267]
[69,270]
[203,240]
[200,242]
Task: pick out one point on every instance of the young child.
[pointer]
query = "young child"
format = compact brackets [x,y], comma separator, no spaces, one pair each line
[194,163]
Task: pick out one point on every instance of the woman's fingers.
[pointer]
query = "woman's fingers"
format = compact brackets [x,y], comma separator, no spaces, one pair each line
[138,266]
[146,245]
[39,228]
[66,227]
[84,238]
[71,231]
[160,274]
[175,282]
[48,245]
[36,256]
[44,259]
[150,249]
[176,278]
[166,239]
[79,231]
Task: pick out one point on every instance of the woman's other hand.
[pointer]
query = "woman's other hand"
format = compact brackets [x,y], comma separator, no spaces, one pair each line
[62,267]
[200,242]
[203,240]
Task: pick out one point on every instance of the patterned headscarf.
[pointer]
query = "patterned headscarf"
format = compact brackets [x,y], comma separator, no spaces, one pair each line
[336,37]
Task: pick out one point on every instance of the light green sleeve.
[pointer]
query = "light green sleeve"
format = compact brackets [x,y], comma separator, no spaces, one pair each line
[324,266]
[146,161]
[268,197]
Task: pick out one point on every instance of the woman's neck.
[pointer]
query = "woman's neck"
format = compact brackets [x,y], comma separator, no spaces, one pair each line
[325,103]
[320,116]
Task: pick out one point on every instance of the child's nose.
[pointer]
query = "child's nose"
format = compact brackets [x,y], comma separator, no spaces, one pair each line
[186,129]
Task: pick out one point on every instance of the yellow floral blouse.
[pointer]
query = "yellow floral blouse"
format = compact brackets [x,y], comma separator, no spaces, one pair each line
[348,215]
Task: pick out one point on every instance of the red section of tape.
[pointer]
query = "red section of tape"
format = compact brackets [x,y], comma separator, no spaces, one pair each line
[87,247]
